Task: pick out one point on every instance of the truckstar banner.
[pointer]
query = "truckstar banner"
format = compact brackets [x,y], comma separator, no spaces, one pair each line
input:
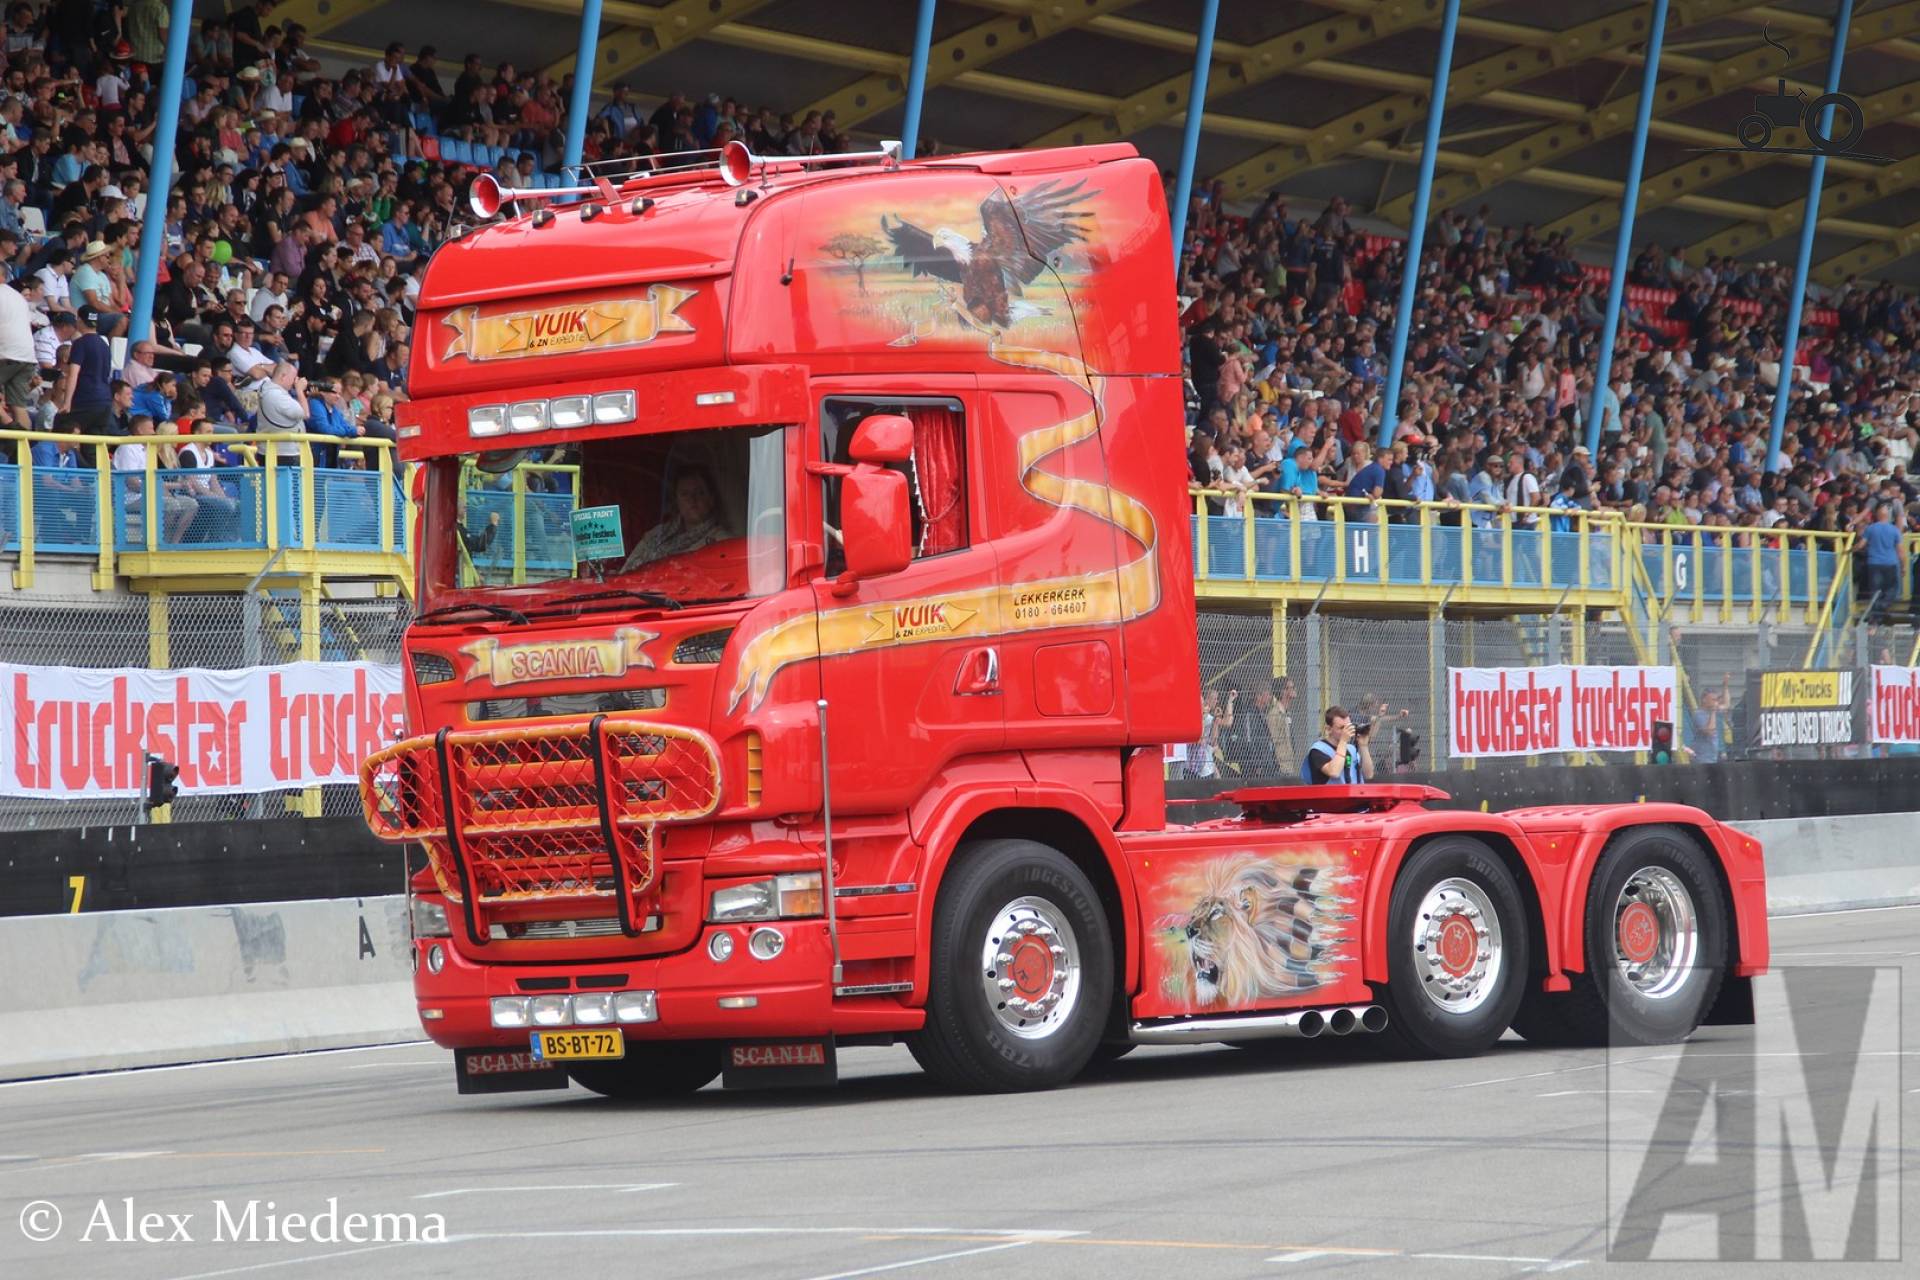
[68,732]
[1802,709]
[1894,705]
[1517,711]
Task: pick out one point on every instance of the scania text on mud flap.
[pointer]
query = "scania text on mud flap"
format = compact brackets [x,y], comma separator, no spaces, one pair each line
[805,603]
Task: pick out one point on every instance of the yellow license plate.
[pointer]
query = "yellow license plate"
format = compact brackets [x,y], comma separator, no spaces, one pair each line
[579,1046]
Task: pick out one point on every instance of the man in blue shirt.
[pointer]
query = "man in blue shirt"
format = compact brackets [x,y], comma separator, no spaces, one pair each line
[1882,540]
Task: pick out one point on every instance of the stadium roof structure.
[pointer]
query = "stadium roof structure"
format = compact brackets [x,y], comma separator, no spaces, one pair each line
[1311,99]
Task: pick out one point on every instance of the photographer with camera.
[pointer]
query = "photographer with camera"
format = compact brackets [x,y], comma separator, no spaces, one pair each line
[1342,756]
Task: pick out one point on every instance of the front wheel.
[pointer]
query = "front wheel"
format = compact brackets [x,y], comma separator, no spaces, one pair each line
[1656,945]
[651,1071]
[1022,971]
[1457,958]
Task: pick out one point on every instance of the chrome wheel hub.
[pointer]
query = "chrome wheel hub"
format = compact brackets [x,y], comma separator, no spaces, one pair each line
[1457,949]
[1030,962]
[1656,933]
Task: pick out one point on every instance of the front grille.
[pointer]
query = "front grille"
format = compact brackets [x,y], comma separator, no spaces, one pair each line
[542,812]
[607,701]
[553,930]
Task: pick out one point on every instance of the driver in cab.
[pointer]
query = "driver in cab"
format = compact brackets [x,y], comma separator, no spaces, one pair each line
[693,523]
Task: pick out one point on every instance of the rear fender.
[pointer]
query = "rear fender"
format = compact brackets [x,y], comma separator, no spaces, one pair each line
[1399,836]
[940,834]
[1588,828]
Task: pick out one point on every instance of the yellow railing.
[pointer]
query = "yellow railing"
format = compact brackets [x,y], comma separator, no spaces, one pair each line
[258,509]
[1741,572]
[1516,551]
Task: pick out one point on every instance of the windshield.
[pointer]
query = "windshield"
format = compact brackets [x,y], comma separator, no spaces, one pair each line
[691,516]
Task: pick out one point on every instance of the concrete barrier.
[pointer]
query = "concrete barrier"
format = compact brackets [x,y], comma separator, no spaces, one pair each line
[188,984]
[1831,864]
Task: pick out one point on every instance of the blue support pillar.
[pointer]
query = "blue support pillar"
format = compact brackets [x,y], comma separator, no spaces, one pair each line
[584,64]
[1808,218]
[1417,233]
[1190,137]
[1623,242]
[917,79]
[153,226]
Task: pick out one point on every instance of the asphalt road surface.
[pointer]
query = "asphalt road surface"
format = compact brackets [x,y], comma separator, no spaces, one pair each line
[1323,1160]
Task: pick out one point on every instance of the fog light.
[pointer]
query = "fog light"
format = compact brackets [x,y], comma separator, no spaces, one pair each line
[437,959]
[765,944]
[570,411]
[550,1011]
[634,1006]
[510,1011]
[613,406]
[720,947]
[593,1011]
[528,415]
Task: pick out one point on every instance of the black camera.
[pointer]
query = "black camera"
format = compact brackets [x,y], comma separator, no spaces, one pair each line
[1362,727]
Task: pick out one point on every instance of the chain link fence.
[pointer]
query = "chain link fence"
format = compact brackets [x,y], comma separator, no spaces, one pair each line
[219,632]
[1268,688]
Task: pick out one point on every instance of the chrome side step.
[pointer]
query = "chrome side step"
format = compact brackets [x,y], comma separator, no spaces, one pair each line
[1303,1024]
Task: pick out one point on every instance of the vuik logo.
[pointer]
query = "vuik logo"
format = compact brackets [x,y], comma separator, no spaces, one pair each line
[920,618]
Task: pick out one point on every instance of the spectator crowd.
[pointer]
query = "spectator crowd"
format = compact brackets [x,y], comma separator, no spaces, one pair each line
[300,218]
[1289,318]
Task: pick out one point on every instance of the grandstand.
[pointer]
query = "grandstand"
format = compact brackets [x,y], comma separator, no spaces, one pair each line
[325,147]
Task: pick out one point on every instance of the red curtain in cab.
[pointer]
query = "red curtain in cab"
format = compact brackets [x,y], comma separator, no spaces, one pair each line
[939,463]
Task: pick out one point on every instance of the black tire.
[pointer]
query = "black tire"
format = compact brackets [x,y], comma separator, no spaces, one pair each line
[1754,131]
[965,1043]
[1603,1007]
[1418,1025]
[651,1071]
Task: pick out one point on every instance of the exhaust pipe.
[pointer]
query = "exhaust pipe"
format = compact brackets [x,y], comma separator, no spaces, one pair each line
[1300,1024]
[1303,1024]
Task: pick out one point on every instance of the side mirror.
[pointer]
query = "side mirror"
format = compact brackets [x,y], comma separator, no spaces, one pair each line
[876,527]
[882,438]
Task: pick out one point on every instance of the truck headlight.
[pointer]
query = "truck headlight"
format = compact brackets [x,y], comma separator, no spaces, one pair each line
[510,1011]
[775,898]
[552,1011]
[430,919]
[754,901]
[634,1006]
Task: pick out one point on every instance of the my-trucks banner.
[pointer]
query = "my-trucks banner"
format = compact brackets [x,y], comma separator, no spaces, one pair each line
[1518,711]
[1895,705]
[1803,709]
[68,732]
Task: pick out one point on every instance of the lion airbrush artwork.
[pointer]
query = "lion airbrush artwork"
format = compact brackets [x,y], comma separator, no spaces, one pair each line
[1254,928]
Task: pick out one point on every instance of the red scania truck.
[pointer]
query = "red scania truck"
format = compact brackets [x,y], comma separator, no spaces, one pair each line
[805,602]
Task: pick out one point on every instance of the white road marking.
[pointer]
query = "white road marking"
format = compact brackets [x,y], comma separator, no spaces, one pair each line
[588,1186]
[294,1262]
[1571,1093]
[387,1066]
[200,1066]
[921,1262]
[1303,1255]
[585,1233]
[1531,1075]
[1844,911]
[1531,1264]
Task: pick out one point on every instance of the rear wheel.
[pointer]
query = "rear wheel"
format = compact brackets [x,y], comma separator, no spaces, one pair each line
[1457,959]
[1656,941]
[651,1071]
[1022,971]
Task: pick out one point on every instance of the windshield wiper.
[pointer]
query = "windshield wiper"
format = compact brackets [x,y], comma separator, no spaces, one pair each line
[491,610]
[659,599]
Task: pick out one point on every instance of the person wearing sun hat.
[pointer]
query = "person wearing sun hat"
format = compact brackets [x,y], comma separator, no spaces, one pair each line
[91,287]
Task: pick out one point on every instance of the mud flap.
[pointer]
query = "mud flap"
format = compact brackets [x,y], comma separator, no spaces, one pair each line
[1733,1007]
[504,1071]
[780,1064]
